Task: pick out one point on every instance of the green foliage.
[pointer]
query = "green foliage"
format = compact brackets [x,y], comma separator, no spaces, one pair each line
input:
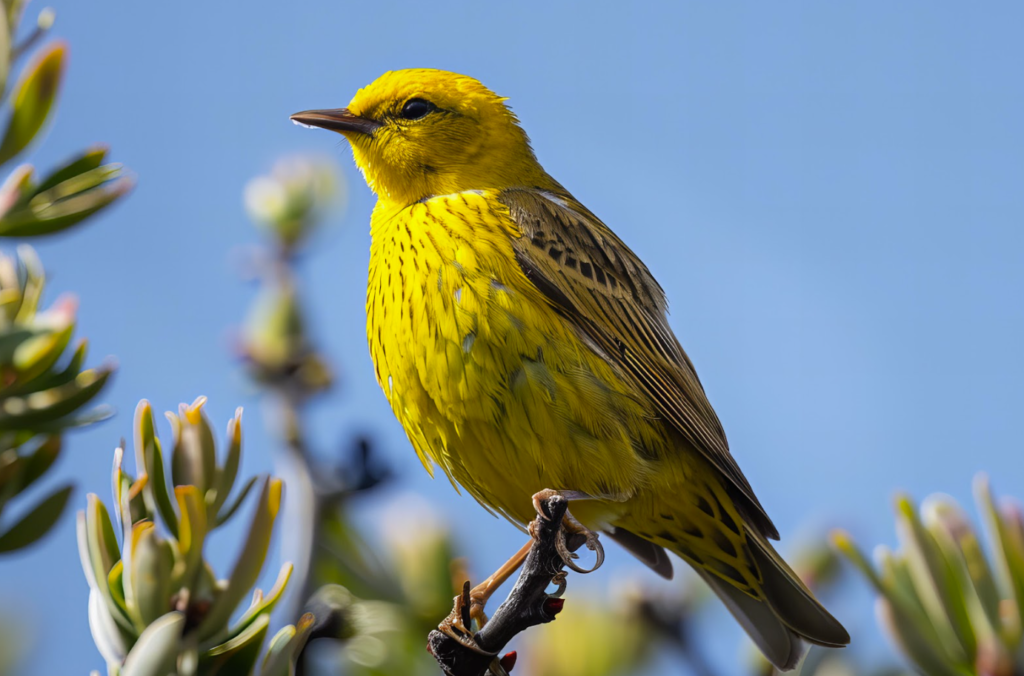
[69,194]
[155,605]
[44,387]
[386,600]
[44,390]
[588,639]
[949,607]
[72,192]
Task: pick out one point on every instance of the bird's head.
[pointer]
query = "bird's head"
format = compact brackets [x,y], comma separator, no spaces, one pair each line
[417,133]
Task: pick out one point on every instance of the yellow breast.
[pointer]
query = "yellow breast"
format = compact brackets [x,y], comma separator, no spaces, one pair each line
[488,380]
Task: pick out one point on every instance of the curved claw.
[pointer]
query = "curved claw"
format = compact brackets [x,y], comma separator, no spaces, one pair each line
[593,544]
[558,579]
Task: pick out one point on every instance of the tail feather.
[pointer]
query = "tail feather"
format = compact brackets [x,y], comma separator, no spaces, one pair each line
[784,614]
[732,553]
[648,553]
[792,601]
[779,644]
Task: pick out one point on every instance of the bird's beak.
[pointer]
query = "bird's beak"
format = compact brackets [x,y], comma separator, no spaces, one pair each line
[338,119]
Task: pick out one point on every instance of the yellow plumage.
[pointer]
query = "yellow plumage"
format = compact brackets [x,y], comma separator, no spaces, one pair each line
[523,346]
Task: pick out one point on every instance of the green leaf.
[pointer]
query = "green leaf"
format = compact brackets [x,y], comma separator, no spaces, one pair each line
[91,158]
[250,561]
[936,584]
[65,205]
[264,605]
[192,531]
[226,476]
[239,654]
[152,561]
[38,462]
[37,522]
[905,632]
[99,551]
[54,378]
[149,456]
[156,651]
[53,404]
[33,99]
[285,647]
[115,583]
[893,584]
[959,546]
[194,462]
[37,355]
[226,514]
[1009,550]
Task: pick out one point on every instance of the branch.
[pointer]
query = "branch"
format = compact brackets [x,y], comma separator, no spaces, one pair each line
[528,603]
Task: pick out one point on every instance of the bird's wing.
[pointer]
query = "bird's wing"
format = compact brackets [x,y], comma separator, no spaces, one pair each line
[608,294]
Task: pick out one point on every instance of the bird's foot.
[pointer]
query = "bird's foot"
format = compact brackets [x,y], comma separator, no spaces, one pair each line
[570,526]
[459,622]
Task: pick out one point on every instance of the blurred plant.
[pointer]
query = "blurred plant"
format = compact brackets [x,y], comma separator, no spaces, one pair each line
[378,611]
[950,608]
[73,191]
[591,639]
[155,605]
[384,605]
[41,393]
[288,205]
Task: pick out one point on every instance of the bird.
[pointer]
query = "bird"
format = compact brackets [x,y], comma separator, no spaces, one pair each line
[526,351]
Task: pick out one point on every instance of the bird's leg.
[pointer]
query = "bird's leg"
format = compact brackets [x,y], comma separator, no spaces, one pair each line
[571,526]
[470,604]
[480,594]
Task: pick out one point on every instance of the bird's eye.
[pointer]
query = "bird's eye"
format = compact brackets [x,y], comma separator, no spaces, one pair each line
[415,109]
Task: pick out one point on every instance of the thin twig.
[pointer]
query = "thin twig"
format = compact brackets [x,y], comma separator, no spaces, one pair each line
[527,605]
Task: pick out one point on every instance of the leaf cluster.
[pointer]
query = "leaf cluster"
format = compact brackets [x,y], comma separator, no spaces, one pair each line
[155,605]
[44,385]
[951,608]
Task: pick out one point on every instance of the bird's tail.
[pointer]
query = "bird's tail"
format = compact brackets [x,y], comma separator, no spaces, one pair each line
[783,614]
[707,529]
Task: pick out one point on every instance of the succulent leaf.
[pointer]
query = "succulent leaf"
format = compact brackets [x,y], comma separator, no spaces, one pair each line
[263,605]
[33,99]
[149,457]
[156,651]
[938,599]
[36,213]
[237,502]
[149,579]
[932,579]
[285,646]
[37,522]
[250,561]
[191,534]
[226,476]
[239,654]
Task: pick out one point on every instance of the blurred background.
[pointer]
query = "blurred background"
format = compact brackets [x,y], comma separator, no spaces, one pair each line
[830,195]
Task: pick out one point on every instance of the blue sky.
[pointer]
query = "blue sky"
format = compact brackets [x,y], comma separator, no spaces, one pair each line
[830,193]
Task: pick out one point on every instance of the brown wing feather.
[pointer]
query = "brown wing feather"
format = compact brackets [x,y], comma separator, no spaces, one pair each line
[601,286]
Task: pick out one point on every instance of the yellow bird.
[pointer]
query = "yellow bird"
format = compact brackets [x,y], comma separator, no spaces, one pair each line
[526,349]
